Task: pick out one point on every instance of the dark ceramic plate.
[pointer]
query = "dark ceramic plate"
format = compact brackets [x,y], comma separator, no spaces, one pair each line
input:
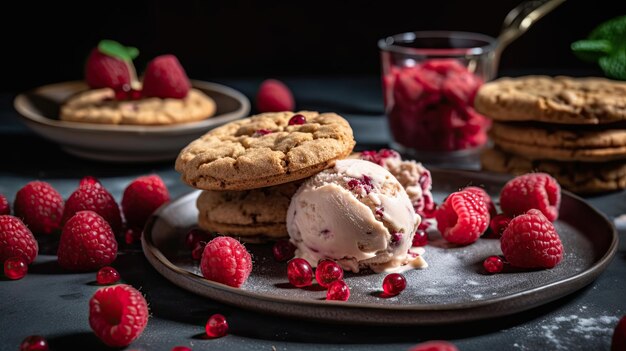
[453,288]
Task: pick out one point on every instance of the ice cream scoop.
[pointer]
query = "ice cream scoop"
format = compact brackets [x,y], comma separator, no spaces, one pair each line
[356,213]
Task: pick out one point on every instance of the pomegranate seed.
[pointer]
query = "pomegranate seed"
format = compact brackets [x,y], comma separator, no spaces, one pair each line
[132,236]
[328,272]
[197,251]
[15,268]
[420,238]
[498,224]
[181,348]
[261,132]
[493,264]
[283,250]
[338,291]
[107,276]
[216,326]
[299,272]
[194,236]
[297,120]
[393,284]
[34,343]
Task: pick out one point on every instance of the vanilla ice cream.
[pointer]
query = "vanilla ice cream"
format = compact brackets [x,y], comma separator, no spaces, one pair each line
[356,213]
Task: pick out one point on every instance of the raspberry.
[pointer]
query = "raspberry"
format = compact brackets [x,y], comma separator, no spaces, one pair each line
[533,190]
[165,78]
[274,96]
[142,197]
[118,314]
[104,71]
[5,208]
[618,341]
[531,241]
[435,345]
[40,206]
[89,180]
[463,217]
[480,191]
[16,240]
[34,343]
[94,197]
[87,243]
[226,261]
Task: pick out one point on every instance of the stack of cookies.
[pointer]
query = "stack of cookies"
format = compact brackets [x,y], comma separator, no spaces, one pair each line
[249,169]
[572,128]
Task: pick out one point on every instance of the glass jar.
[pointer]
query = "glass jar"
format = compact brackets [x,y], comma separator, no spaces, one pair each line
[430,79]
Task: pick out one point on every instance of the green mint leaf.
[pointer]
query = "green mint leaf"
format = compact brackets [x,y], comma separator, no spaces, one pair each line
[591,50]
[614,66]
[117,50]
[613,30]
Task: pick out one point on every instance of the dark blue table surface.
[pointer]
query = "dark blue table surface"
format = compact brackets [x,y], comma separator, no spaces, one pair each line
[54,303]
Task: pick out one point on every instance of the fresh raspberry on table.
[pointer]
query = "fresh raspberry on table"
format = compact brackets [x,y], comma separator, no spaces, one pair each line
[16,240]
[618,341]
[225,260]
[89,180]
[274,96]
[118,314]
[532,190]
[5,208]
[488,201]
[463,217]
[435,345]
[87,243]
[531,241]
[94,197]
[104,71]
[165,78]
[142,197]
[40,206]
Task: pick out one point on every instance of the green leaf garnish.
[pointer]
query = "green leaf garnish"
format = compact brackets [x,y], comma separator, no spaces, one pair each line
[614,66]
[592,50]
[117,50]
[613,30]
[606,45]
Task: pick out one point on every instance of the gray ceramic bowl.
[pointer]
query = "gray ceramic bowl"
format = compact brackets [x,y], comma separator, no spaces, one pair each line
[39,110]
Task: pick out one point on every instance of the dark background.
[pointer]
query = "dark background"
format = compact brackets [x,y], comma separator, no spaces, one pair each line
[48,42]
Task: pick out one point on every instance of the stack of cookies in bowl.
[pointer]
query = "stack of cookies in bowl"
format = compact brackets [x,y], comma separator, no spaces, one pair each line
[572,128]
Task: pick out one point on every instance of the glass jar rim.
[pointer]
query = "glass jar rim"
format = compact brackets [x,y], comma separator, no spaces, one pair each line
[390,43]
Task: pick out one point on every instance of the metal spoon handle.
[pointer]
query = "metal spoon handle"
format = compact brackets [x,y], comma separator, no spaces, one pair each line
[522,17]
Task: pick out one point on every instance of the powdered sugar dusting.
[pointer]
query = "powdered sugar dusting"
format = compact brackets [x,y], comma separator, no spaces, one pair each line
[564,332]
